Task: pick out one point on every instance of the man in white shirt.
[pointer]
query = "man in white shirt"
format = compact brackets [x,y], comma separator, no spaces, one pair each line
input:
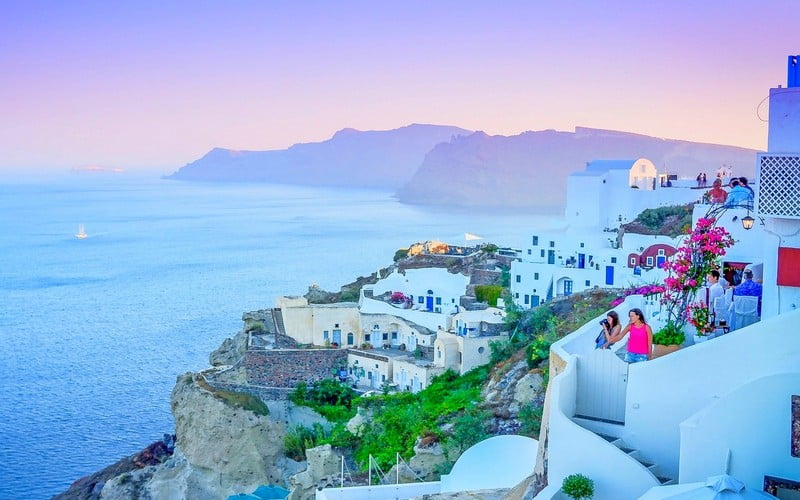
[715,288]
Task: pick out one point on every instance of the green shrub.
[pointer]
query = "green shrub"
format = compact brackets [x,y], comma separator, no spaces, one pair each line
[488,293]
[469,428]
[401,254]
[255,326]
[530,419]
[501,350]
[490,248]
[539,349]
[299,439]
[330,398]
[670,334]
[578,486]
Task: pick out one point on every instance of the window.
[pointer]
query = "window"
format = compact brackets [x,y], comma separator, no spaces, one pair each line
[516,295]
[452,301]
[438,301]
[481,350]
[613,260]
[552,244]
[527,298]
[542,253]
[367,337]
[518,278]
[383,378]
[369,375]
[421,300]
[582,245]
[529,251]
[650,261]
[660,251]
[394,335]
[325,334]
[336,325]
[633,261]
[535,241]
[439,353]
[385,336]
[376,327]
[588,283]
[536,276]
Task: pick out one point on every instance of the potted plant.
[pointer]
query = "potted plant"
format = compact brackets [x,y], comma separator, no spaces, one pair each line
[668,339]
[578,486]
[698,316]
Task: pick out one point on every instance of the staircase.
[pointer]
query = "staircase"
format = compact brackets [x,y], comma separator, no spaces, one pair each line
[636,455]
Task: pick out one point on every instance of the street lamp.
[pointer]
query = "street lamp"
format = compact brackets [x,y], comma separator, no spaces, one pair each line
[747,222]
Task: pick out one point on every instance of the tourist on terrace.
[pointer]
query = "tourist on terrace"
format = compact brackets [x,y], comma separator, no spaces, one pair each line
[743,182]
[739,197]
[703,181]
[717,195]
[715,287]
[611,329]
[749,288]
[640,343]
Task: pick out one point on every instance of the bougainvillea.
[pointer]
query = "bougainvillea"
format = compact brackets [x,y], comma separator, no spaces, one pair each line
[646,290]
[698,315]
[687,269]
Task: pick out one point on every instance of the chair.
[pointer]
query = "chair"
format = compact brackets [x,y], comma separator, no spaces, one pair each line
[745,311]
[721,308]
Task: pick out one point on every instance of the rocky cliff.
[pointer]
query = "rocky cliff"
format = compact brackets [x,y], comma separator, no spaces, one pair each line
[530,169]
[351,158]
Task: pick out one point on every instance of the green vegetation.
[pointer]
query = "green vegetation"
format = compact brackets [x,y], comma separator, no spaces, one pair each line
[501,350]
[530,419]
[401,254]
[490,248]
[670,221]
[578,486]
[670,334]
[255,326]
[488,293]
[236,399]
[299,439]
[330,398]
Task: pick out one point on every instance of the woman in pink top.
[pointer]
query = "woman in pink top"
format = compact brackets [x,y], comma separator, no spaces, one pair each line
[640,342]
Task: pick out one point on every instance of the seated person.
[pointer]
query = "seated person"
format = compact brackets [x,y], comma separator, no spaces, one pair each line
[739,197]
[749,288]
[716,194]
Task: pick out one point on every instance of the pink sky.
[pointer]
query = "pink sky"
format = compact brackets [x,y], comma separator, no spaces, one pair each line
[148,85]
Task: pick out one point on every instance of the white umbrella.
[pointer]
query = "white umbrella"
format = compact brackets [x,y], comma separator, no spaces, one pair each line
[721,487]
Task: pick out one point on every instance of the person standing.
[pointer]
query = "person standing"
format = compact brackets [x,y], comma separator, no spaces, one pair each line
[640,343]
[611,329]
[748,287]
[703,181]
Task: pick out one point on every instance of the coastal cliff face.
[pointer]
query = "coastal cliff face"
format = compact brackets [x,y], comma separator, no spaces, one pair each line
[221,450]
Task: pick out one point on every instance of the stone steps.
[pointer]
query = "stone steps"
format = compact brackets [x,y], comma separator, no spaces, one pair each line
[636,455]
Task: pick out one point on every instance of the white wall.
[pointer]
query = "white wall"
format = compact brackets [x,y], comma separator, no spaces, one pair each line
[446,286]
[429,320]
[572,449]
[752,424]
[381,492]
[664,392]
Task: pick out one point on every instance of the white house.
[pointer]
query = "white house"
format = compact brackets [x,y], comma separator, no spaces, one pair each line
[431,289]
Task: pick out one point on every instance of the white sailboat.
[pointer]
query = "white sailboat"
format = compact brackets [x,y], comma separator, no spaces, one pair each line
[81,233]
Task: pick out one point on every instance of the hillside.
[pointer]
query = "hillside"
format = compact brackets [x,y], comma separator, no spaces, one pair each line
[530,169]
[351,158]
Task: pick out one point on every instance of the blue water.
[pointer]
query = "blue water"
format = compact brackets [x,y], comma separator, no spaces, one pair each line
[94,332]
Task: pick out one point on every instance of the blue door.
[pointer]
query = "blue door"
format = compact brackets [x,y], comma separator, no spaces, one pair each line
[534,300]
[551,256]
[609,275]
[581,260]
[429,304]
[337,337]
[567,287]
[660,260]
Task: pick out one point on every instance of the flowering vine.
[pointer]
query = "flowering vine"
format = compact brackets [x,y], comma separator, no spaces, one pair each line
[687,269]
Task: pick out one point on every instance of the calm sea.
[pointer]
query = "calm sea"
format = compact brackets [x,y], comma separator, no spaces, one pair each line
[93,332]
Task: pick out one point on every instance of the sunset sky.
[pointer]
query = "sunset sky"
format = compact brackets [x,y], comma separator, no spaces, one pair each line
[141,84]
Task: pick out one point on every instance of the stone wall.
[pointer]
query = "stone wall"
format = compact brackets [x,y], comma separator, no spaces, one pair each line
[285,368]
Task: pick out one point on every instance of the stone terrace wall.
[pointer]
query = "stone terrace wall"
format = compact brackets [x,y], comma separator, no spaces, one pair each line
[288,367]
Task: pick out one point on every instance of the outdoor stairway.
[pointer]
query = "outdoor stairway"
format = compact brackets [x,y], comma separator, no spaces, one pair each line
[636,455]
[277,318]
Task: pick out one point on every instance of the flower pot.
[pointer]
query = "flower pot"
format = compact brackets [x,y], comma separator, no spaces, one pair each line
[662,350]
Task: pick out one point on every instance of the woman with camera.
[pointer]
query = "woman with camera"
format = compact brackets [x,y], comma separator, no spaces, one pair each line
[610,331]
